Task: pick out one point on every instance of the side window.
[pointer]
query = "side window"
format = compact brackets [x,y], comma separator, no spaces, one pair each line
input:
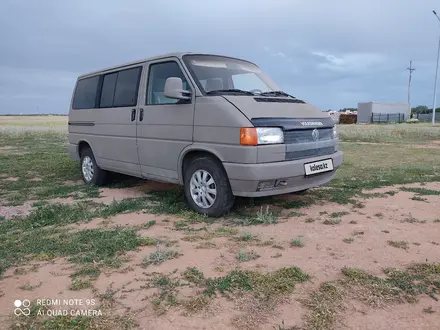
[158,74]
[85,93]
[108,90]
[120,89]
[126,90]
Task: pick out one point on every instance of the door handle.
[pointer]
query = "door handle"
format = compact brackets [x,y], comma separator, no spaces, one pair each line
[133,114]
[141,114]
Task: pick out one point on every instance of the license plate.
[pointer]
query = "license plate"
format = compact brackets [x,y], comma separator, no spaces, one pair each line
[319,167]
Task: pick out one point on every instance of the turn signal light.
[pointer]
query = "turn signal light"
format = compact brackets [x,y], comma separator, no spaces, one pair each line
[248,136]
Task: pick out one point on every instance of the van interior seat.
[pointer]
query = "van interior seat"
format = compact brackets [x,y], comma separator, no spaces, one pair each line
[213,84]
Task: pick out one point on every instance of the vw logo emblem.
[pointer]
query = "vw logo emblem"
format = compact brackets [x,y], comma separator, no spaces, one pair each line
[315,135]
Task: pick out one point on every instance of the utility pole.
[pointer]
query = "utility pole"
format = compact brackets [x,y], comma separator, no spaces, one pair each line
[436,74]
[410,69]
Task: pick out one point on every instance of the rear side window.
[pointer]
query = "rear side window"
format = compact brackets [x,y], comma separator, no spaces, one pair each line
[127,88]
[120,89]
[108,90]
[85,93]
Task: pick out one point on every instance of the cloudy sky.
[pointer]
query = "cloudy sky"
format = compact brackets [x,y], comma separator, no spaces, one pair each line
[330,53]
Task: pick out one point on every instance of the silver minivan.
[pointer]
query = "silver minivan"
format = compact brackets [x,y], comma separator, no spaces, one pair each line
[217,125]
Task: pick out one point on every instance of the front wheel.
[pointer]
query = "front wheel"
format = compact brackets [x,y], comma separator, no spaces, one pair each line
[207,188]
[91,173]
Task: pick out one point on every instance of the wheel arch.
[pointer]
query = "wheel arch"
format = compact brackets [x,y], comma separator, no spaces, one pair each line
[195,152]
[84,144]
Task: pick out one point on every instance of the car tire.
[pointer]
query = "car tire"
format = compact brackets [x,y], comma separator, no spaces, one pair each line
[207,188]
[91,173]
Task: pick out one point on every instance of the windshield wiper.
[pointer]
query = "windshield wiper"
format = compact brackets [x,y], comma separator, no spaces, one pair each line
[232,90]
[276,93]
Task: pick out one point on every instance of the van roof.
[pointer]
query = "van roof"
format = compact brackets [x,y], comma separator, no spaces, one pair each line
[174,54]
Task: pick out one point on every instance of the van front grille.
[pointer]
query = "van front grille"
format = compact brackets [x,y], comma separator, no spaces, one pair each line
[293,155]
[305,135]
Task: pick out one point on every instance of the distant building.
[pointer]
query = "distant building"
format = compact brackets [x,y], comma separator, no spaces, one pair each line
[382,112]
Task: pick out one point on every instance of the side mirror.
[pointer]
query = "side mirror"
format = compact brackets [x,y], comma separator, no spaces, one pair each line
[174,89]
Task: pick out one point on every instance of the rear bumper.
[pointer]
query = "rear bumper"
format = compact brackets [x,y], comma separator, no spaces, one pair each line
[73,151]
[244,178]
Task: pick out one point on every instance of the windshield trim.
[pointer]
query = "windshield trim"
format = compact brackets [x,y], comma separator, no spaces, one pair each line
[185,59]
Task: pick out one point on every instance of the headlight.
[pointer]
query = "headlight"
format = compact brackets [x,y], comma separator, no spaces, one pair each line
[270,135]
[251,136]
[335,132]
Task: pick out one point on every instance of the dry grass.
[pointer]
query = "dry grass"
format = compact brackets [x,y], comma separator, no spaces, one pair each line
[19,124]
[399,244]
[395,133]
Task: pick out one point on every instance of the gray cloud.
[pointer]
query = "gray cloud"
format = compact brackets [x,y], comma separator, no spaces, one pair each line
[331,53]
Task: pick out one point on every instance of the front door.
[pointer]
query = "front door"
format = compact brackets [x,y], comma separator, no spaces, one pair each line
[167,124]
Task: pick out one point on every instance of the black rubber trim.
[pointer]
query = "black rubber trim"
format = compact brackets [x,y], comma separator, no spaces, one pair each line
[278,100]
[81,123]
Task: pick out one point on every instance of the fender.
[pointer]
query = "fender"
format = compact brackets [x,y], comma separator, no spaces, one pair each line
[91,147]
[194,147]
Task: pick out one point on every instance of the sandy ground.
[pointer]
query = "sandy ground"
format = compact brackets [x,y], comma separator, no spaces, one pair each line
[322,257]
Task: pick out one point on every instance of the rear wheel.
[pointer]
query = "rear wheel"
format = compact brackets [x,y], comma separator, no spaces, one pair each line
[91,173]
[207,188]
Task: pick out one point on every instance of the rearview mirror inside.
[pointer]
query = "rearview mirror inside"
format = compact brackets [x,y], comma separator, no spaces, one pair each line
[174,89]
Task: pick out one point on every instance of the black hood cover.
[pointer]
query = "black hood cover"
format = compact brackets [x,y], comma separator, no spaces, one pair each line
[293,123]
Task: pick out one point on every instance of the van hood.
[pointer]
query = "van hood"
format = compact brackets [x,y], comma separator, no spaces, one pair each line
[271,107]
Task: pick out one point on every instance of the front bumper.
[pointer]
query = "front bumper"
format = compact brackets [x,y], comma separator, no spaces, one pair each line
[245,178]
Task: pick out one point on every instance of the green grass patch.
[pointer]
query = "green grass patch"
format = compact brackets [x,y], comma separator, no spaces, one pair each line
[263,286]
[297,242]
[196,304]
[92,271]
[419,199]
[243,256]
[101,247]
[193,275]
[332,222]
[264,216]
[324,305]
[80,284]
[161,255]
[168,293]
[338,214]
[398,286]
[149,224]
[422,191]
[29,287]
[245,236]
[225,231]
[148,241]
[295,214]
[291,204]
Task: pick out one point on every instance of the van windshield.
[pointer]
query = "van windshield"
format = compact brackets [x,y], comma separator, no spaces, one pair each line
[217,75]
